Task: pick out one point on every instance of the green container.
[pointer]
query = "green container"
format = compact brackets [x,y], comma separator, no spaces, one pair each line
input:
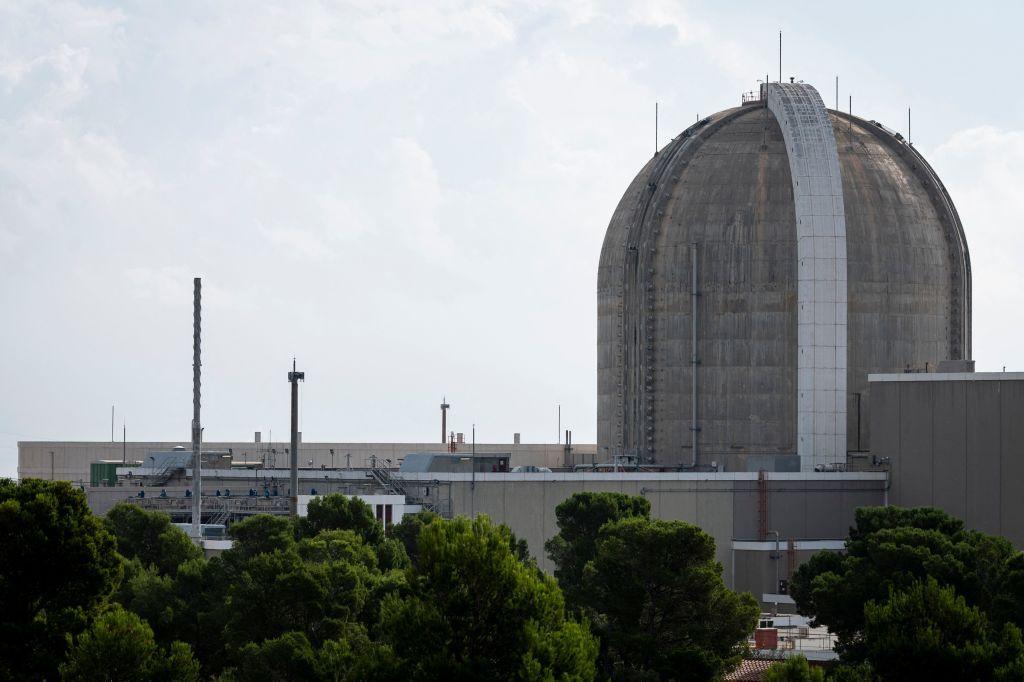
[103,473]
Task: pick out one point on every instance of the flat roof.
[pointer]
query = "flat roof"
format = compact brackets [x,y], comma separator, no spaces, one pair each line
[421,476]
[950,376]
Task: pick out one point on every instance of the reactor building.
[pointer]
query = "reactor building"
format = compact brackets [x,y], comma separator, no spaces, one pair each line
[756,271]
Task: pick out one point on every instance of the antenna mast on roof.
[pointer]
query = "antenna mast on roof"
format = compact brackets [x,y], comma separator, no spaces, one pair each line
[780,56]
[655,128]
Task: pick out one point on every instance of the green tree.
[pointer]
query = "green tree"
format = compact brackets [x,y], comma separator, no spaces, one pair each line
[120,646]
[580,518]
[408,531]
[261,534]
[656,595]
[152,596]
[474,611]
[892,548]
[59,565]
[338,545]
[352,657]
[795,669]
[278,592]
[150,537]
[339,512]
[391,555]
[928,632]
[289,656]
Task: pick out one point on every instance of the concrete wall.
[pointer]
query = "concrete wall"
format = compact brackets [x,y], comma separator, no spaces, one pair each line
[955,441]
[807,507]
[69,461]
[803,506]
[760,566]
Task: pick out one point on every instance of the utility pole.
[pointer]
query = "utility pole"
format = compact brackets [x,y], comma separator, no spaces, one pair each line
[197,429]
[295,377]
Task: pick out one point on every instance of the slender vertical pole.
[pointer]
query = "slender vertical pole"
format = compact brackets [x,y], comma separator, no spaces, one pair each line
[559,437]
[472,485]
[693,353]
[780,56]
[111,423]
[908,126]
[837,93]
[294,377]
[197,429]
[124,445]
[851,118]
[655,128]
[444,420]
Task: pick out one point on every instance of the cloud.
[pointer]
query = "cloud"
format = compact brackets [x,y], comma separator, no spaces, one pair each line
[725,53]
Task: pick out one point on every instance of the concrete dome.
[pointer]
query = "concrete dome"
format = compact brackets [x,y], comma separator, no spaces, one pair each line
[747,192]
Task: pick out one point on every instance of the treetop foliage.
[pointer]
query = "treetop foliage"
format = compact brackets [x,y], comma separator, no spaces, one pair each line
[60,564]
[580,517]
[150,538]
[916,595]
[334,597]
[892,549]
[652,590]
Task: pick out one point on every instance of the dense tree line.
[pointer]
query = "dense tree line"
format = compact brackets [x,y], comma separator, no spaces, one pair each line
[332,597]
[916,595]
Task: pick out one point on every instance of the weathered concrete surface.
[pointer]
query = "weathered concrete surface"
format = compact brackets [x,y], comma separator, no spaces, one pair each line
[955,441]
[726,185]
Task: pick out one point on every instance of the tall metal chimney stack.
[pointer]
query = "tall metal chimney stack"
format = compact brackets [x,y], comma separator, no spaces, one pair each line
[295,377]
[444,420]
[197,428]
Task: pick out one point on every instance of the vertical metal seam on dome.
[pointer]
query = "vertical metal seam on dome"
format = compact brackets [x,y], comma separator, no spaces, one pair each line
[821,272]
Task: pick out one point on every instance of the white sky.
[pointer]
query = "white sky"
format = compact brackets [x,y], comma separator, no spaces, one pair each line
[410,197]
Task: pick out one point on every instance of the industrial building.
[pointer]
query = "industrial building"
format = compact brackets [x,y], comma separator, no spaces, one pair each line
[758,268]
[784,335]
[70,461]
[954,441]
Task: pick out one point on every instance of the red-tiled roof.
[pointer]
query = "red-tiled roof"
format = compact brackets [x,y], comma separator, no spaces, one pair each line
[750,669]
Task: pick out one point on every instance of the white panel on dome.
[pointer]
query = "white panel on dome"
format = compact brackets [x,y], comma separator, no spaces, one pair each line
[821,272]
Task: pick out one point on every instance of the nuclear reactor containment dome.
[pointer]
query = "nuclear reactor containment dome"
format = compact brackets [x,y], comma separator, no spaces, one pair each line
[758,268]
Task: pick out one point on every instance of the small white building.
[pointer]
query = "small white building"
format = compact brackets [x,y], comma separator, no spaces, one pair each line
[388,509]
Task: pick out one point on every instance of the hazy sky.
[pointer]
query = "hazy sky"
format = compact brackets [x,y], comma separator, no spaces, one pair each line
[409,197]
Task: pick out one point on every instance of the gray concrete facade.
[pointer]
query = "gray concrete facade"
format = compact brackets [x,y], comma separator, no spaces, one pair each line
[954,441]
[724,189]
